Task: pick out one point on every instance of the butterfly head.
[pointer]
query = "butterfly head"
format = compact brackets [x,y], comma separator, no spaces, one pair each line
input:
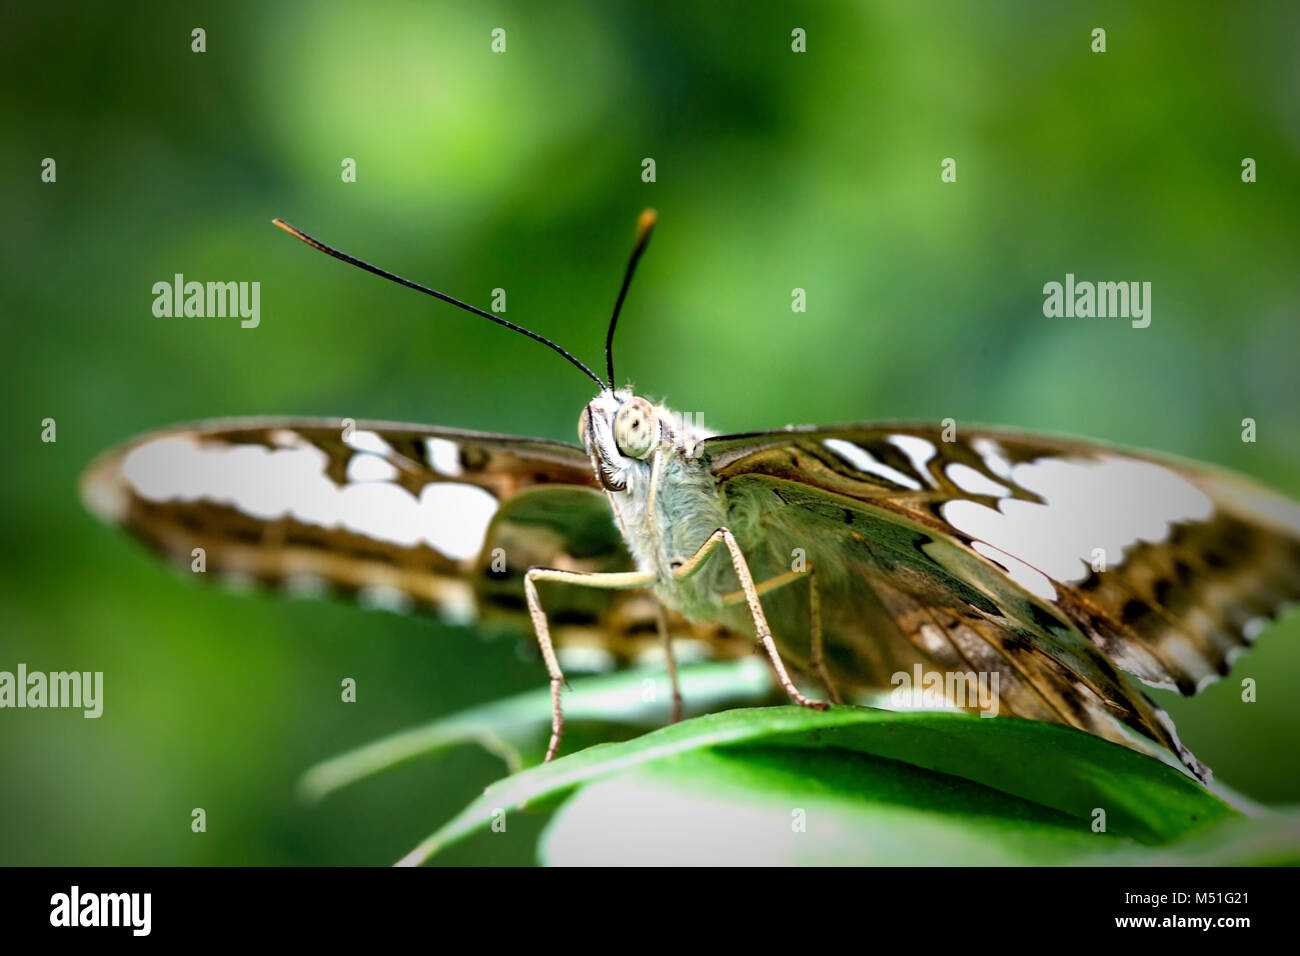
[622,432]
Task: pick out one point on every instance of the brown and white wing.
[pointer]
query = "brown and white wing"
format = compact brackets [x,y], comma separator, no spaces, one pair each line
[1054,563]
[398,516]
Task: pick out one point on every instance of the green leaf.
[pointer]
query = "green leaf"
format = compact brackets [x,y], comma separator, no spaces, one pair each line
[1270,840]
[804,806]
[518,728]
[1049,780]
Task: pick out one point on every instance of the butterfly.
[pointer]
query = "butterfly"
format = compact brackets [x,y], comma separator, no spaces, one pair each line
[850,556]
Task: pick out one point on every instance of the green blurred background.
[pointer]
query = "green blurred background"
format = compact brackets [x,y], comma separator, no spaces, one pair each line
[522,170]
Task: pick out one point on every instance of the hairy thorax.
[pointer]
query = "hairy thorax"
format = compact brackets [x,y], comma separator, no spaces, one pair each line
[679,509]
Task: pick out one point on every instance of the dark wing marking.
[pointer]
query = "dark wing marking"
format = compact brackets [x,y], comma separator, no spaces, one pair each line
[1195,560]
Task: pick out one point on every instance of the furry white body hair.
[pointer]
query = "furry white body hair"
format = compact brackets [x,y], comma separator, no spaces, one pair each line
[666,505]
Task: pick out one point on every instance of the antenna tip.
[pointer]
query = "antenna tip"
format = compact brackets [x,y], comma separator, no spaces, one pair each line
[644,224]
[298,234]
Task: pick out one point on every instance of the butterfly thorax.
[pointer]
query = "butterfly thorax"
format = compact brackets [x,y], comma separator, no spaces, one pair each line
[664,497]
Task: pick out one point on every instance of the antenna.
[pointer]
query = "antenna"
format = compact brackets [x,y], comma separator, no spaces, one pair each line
[644,226]
[352,260]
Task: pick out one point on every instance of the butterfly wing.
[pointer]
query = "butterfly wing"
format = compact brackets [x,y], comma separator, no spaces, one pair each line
[1053,563]
[400,516]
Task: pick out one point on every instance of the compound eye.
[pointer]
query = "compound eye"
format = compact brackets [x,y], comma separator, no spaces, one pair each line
[635,426]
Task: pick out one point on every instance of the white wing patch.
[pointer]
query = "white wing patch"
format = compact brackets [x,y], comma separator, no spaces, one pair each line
[305,585]
[383,597]
[444,456]
[1108,504]
[364,440]
[918,450]
[275,483]
[367,467]
[972,482]
[863,460]
[463,513]
[1031,579]
[994,457]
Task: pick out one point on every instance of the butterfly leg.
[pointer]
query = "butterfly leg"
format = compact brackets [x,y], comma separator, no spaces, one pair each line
[693,564]
[661,619]
[818,659]
[815,627]
[631,579]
